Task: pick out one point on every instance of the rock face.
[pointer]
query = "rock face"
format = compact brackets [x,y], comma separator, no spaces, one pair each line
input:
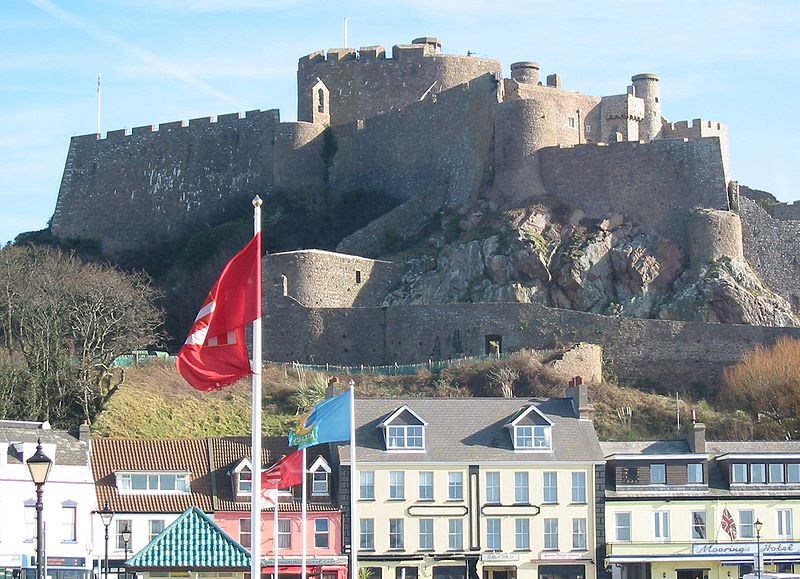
[558,257]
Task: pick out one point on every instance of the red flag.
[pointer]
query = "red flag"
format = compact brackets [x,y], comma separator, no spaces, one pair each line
[728,524]
[215,354]
[285,473]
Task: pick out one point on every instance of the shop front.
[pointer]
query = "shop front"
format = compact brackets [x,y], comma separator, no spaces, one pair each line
[499,565]
[56,568]
[701,560]
[331,567]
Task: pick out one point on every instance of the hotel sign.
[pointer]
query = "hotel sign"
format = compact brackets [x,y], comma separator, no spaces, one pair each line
[499,557]
[561,555]
[746,549]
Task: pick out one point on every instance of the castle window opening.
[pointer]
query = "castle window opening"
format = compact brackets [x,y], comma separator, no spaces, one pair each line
[358,276]
[571,122]
[284,285]
[588,128]
[321,101]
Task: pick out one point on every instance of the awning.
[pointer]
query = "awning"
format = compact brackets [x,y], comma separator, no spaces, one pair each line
[726,559]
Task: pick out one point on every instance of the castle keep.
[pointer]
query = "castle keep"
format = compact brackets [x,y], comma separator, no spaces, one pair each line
[434,131]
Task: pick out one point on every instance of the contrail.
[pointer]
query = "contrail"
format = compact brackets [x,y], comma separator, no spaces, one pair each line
[148,57]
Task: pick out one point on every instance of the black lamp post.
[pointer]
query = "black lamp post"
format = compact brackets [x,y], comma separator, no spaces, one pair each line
[39,466]
[106,515]
[758,524]
[126,538]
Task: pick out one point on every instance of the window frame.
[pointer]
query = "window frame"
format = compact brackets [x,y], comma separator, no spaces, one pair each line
[699,530]
[397,485]
[739,473]
[366,534]
[119,526]
[494,534]
[455,486]
[692,470]
[579,534]
[746,527]
[661,526]
[758,473]
[660,469]
[493,491]
[455,534]
[396,534]
[405,437]
[366,482]
[776,468]
[425,535]
[550,487]
[551,534]
[130,482]
[284,533]
[150,532]
[618,525]
[426,486]
[784,524]
[522,488]
[322,533]
[580,487]
[522,534]
[69,519]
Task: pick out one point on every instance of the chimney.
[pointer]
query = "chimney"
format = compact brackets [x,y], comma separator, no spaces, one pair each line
[580,398]
[697,438]
[83,432]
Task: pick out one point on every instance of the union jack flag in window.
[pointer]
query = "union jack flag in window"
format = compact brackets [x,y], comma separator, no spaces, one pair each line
[728,524]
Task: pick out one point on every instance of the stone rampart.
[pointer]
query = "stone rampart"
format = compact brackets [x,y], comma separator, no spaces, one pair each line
[772,247]
[157,185]
[367,84]
[317,278]
[657,183]
[713,235]
[664,354]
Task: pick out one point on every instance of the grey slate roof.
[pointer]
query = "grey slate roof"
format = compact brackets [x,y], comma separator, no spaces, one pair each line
[646,447]
[472,429]
[69,450]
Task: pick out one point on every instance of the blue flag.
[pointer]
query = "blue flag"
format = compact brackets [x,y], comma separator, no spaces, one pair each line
[328,421]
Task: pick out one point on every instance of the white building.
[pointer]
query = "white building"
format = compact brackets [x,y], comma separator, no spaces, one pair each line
[68,499]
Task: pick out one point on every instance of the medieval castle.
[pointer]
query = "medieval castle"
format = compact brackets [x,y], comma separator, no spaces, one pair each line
[433,131]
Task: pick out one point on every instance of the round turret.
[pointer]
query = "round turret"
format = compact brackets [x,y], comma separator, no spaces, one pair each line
[645,86]
[525,72]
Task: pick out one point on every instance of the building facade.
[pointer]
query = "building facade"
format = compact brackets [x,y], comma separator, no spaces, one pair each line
[692,509]
[482,487]
[68,500]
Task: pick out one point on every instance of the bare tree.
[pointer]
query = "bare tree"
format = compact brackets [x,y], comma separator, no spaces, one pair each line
[68,320]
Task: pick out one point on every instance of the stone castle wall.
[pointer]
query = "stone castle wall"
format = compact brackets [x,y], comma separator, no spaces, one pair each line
[367,84]
[157,185]
[318,278]
[772,247]
[657,183]
[670,355]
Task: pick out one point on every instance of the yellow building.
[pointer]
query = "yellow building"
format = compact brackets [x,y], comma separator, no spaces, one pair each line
[692,509]
[474,488]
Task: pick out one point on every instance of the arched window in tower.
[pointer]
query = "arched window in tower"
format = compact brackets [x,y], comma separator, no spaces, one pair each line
[321,101]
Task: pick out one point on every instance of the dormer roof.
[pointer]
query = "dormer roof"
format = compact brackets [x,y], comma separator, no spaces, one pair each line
[403,415]
[529,415]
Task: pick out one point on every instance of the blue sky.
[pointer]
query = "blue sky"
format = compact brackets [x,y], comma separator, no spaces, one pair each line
[163,60]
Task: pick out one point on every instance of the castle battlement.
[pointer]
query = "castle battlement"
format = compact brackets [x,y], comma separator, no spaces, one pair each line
[419,48]
[226,119]
[698,125]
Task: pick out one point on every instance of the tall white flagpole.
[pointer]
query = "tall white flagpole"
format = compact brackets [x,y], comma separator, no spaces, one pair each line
[304,515]
[255,503]
[355,531]
[99,105]
[275,533]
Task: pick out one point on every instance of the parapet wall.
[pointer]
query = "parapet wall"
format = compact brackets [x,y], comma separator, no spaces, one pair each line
[772,247]
[657,183]
[366,84]
[152,186]
[698,129]
[666,354]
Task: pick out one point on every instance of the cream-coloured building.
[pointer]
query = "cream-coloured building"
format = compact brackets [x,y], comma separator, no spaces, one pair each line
[692,509]
[480,487]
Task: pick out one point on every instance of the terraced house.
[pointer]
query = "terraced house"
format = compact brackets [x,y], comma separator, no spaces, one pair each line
[696,509]
[492,487]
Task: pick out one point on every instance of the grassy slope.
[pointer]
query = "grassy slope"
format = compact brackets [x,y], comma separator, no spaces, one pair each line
[154,402]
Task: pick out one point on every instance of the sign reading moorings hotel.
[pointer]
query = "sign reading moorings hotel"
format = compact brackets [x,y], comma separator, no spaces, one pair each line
[740,549]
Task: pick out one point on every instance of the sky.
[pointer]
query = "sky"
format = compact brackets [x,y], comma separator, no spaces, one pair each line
[732,61]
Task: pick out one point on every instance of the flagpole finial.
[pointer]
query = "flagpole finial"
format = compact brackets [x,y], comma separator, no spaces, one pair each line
[257,202]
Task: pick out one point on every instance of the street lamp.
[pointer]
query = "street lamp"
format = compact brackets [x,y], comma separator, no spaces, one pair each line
[126,538]
[758,524]
[39,466]
[106,515]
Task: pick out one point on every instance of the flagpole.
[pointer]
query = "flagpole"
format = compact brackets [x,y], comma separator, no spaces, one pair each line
[275,533]
[303,515]
[355,531]
[255,506]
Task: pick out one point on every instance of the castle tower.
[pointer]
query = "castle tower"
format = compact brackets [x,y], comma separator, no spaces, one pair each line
[321,107]
[525,72]
[645,86]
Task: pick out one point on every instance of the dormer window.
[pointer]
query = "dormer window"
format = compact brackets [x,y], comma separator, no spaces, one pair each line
[404,430]
[245,483]
[320,477]
[153,482]
[533,437]
[403,437]
[531,430]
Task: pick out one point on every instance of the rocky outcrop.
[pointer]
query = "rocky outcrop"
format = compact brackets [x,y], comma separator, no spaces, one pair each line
[557,257]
